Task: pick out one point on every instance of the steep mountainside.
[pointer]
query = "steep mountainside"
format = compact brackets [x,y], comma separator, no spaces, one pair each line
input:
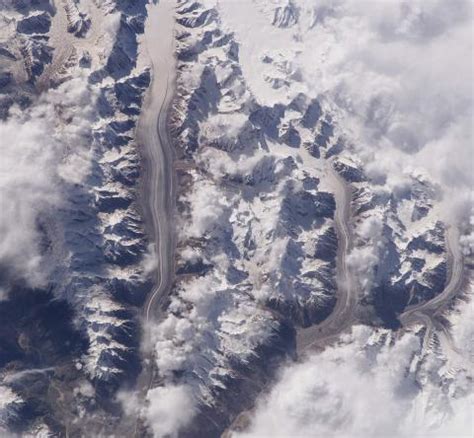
[268,235]
[73,67]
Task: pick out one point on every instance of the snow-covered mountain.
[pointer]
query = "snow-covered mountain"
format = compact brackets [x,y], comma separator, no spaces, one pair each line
[258,245]
[71,95]
[322,230]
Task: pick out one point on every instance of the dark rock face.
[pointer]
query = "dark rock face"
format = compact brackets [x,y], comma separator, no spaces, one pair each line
[326,133]
[349,173]
[286,16]
[5,79]
[291,137]
[34,24]
[37,333]
[389,302]
[326,247]
[27,6]
[247,382]
[7,53]
[37,55]
[194,267]
[37,329]
[432,240]
[302,209]
[268,119]
[312,115]
[29,48]
[305,314]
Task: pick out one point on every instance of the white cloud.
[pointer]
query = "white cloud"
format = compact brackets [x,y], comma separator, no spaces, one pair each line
[387,69]
[400,73]
[42,148]
[211,316]
[150,260]
[9,402]
[170,409]
[129,402]
[228,126]
[362,260]
[221,164]
[463,323]
[173,343]
[365,387]
[207,203]
[7,397]
[467,240]
[397,74]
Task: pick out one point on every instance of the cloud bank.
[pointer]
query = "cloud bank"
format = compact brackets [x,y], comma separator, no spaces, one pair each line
[44,148]
[397,76]
[368,386]
[400,74]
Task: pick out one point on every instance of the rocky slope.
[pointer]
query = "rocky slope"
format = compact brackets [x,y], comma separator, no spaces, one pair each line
[258,149]
[80,328]
[257,245]
[400,253]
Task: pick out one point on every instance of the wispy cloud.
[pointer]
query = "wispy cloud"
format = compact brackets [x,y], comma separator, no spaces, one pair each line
[44,148]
